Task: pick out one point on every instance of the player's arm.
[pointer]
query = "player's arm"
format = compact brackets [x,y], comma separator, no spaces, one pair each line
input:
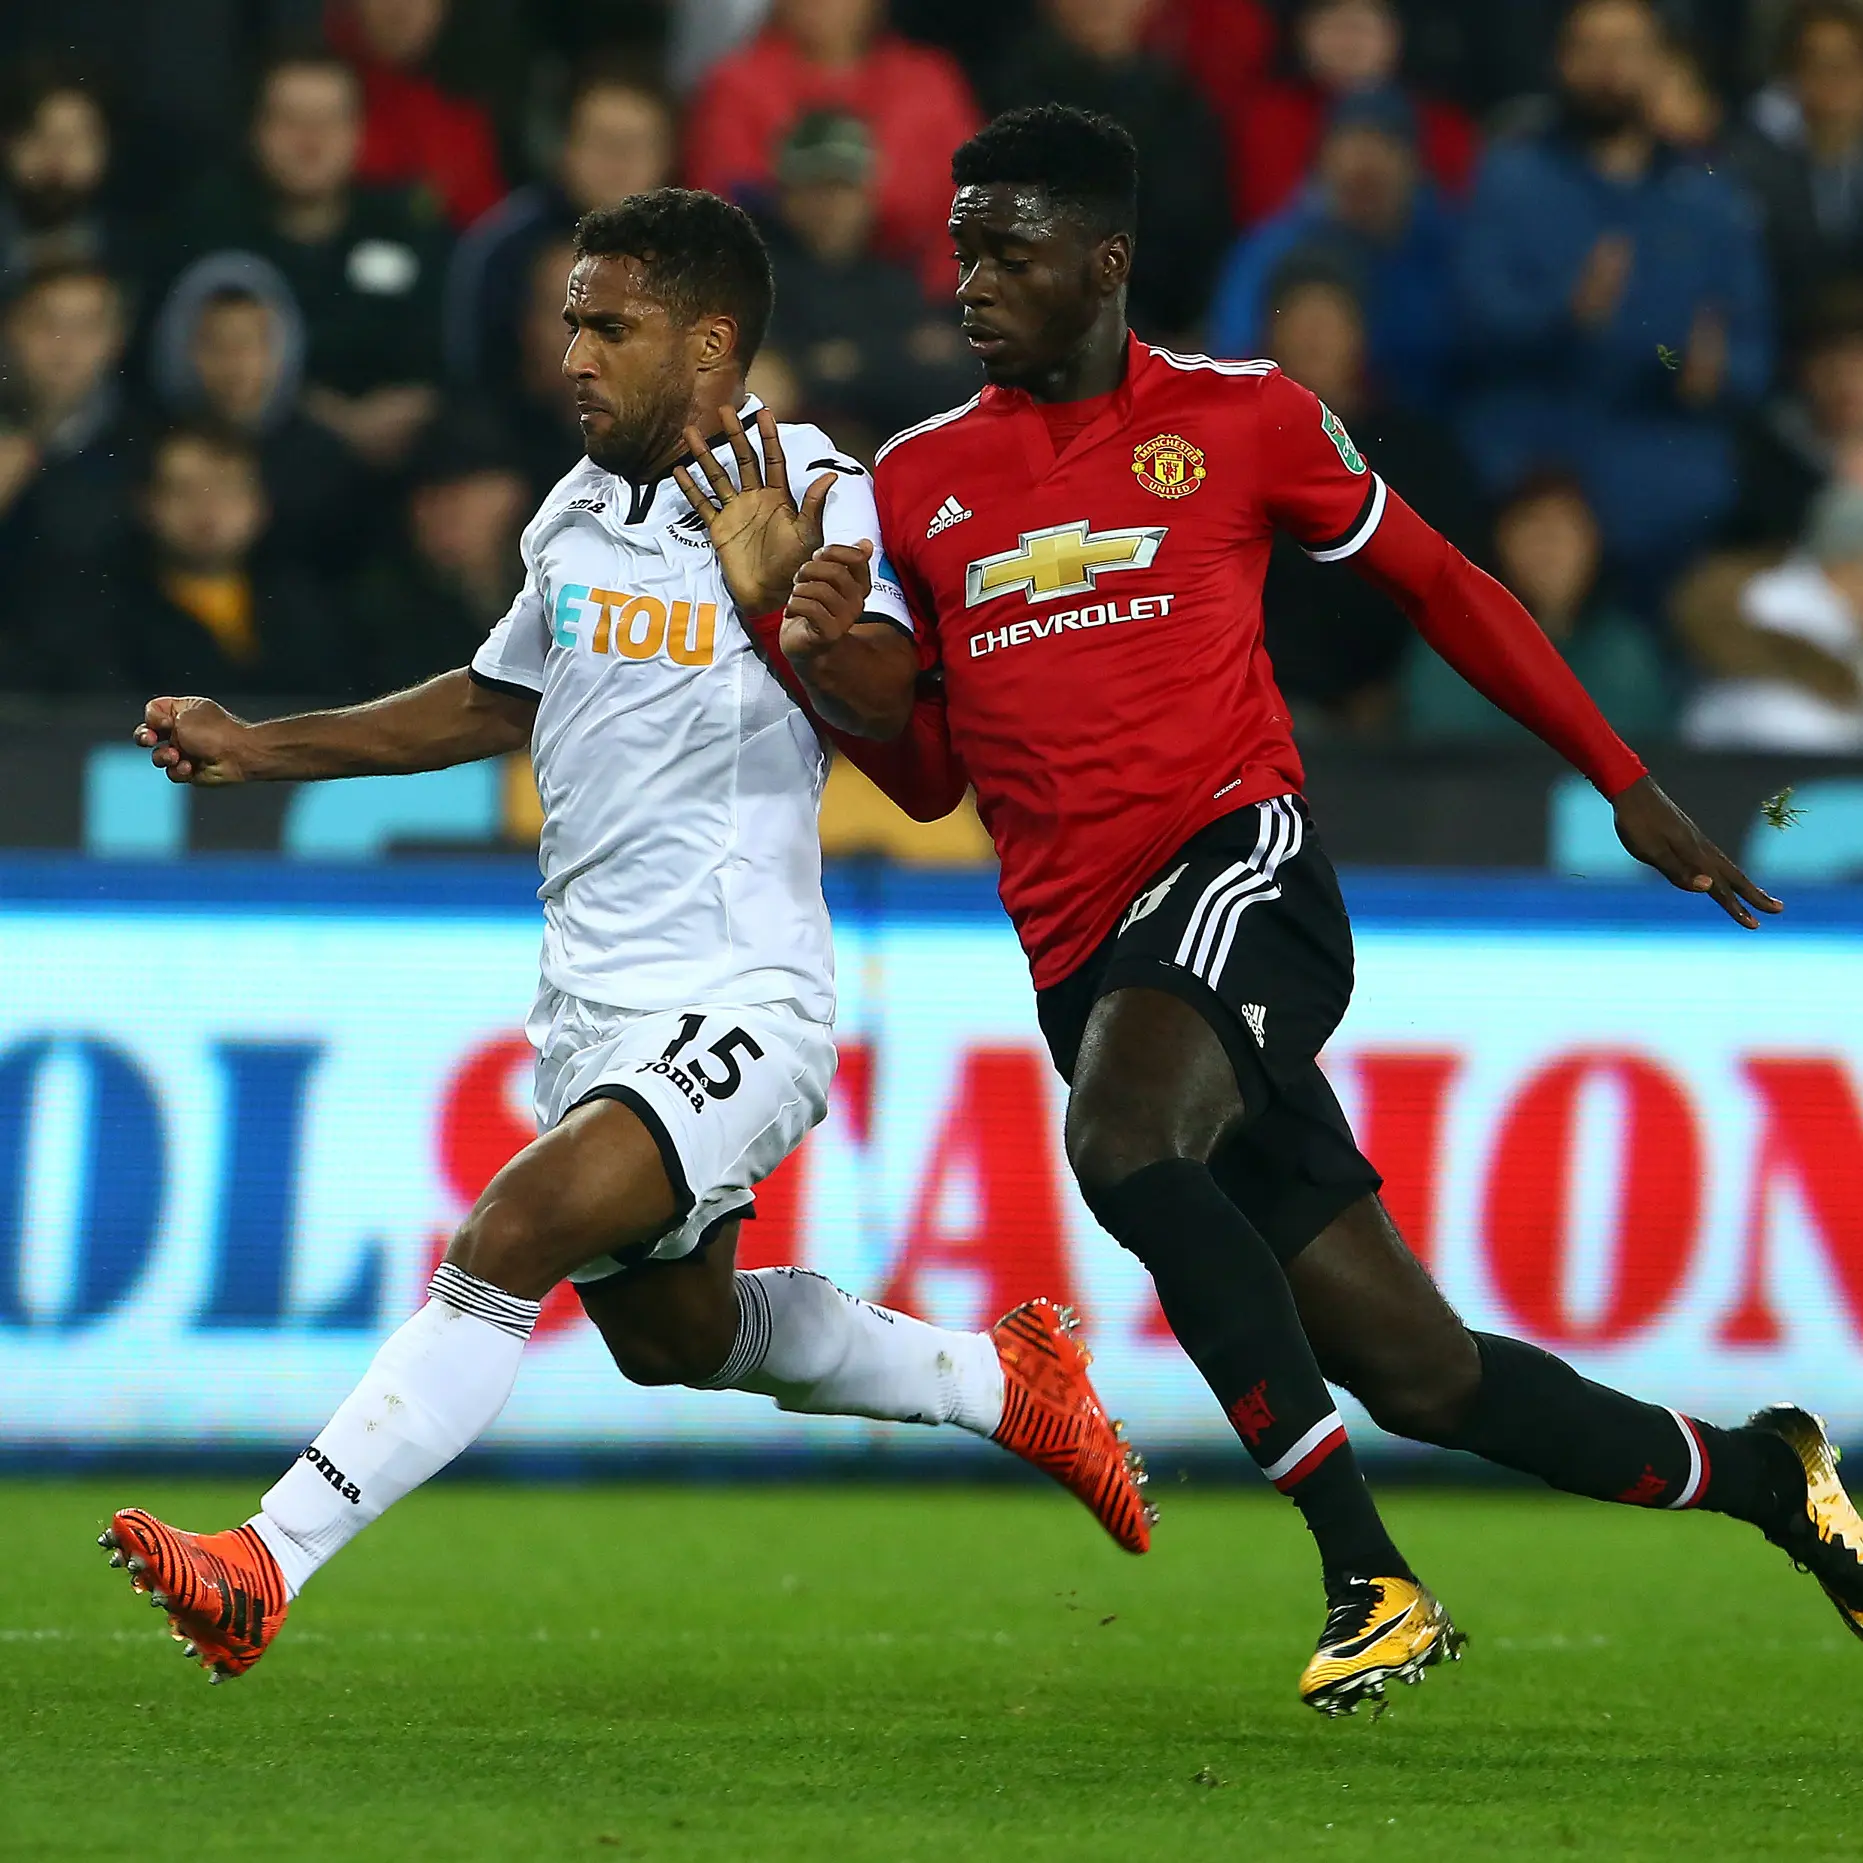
[1319,488]
[769,546]
[455,718]
[1491,640]
[861,674]
[917,771]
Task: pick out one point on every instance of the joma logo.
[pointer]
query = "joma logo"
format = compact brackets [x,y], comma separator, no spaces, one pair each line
[333,1475]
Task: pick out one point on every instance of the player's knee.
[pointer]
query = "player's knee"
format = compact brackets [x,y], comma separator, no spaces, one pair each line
[1108,1143]
[499,1243]
[1427,1400]
[644,1359]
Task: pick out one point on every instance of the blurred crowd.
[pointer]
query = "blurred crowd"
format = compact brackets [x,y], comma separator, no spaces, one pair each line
[281,286]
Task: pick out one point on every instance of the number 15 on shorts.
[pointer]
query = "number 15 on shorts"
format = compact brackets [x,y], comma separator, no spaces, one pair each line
[714,1071]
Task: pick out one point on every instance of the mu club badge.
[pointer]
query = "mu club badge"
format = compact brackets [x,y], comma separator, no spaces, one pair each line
[1169,466]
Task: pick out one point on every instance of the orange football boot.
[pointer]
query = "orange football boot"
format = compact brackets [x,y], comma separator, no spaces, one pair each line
[223,1592]
[1052,1418]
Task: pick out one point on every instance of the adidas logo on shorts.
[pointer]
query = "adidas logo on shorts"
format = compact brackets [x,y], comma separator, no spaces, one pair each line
[1257,1019]
[949,513]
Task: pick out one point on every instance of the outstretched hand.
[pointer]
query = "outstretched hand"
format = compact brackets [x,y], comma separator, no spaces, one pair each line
[762,537]
[1661,836]
[194,741]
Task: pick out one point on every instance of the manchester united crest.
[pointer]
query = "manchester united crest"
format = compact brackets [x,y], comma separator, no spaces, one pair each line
[1169,466]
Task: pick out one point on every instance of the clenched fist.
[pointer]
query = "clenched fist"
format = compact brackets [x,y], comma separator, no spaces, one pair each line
[194,741]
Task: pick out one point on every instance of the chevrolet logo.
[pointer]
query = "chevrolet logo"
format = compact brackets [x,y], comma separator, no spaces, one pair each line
[1066,559]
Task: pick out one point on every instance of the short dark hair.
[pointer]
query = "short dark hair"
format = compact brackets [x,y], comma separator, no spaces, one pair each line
[63,272]
[301,57]
[1540,483]
[233,297]
[211,436]
[618,72]
[699,255]
[1085,163]
[33,82]
[1845,14]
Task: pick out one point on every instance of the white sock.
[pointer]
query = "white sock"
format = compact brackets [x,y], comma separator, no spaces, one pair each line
[813,1348]
[433,1389]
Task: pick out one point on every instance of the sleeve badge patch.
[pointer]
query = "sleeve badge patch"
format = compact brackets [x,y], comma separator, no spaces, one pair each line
[1335,431]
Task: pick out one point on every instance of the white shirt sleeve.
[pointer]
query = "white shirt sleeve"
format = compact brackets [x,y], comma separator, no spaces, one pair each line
[851,515]
[514,652]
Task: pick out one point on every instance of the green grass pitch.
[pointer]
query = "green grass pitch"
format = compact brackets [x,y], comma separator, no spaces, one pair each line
[772,1675]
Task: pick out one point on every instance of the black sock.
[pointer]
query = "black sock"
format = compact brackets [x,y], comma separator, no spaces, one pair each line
[1534,1413]
[1229,1305]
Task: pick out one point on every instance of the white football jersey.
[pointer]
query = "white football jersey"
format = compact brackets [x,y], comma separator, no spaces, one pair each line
[680,782]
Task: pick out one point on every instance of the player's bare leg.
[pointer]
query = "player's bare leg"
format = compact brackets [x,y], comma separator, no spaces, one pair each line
[1381,1328]
[594,1184]
[1154,1095]
[795,1337]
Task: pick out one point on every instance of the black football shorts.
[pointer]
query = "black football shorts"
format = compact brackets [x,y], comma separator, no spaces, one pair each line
[1245,922]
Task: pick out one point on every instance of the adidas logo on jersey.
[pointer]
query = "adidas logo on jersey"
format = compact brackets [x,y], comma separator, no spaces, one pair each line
[949,513]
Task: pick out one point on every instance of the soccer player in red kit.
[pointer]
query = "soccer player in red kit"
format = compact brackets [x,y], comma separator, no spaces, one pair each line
[1083,547]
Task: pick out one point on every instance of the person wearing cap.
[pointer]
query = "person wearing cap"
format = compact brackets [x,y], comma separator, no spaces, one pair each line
[840,55]
[1372,216]
[1335,49]
[1791,665]
[868,355]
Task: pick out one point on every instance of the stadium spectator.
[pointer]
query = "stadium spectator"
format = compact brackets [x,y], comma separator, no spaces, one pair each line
[64,483]
[1685,109]
[618,140]
[1225,47]
[427,606]
[703,31]
[866,353]
[1369,214]
[414,133]
[1804,161]
[197,605]
[1808,433]
[1335,641]
[363,263]
[1340,48]
[540,413]
[1614,304]
[1787,665]
[63,478]
[55,157]
[1548,551]
[1091,54]
[838,55]
[228,349]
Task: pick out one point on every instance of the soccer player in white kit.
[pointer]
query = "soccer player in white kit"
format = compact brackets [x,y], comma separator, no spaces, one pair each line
[683,1022]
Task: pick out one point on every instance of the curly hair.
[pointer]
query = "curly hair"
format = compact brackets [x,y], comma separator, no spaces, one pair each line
[698,254]
[1086,164]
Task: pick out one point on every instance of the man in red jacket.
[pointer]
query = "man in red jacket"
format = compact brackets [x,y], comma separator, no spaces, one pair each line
[1082,547]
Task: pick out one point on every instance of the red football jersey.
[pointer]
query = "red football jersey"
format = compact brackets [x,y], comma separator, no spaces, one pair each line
[1098,616]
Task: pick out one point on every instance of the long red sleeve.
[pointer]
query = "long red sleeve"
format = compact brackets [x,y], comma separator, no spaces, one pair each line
[1485,634]
[917,771]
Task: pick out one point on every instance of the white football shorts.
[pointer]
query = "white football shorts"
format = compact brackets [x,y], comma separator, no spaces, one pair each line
[727,1093]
